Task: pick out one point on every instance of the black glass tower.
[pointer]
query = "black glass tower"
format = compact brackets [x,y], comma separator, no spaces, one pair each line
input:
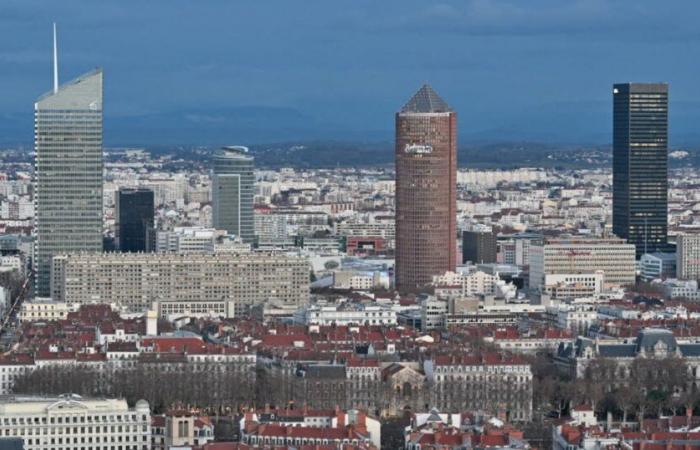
[640,165]
[478,247]
[134,209]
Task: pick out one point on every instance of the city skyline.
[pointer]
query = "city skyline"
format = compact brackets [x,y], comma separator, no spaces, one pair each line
[492,66]
[193,289]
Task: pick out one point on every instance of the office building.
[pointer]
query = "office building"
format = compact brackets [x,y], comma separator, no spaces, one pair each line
[613,257]
[426,190]
[207,282]
[70,422]
[68,172]
[561,287]
[188,240]
[270,226]
[640,165]
[688,256]
[479,247]
[134,227]
[657,265]
[233,188]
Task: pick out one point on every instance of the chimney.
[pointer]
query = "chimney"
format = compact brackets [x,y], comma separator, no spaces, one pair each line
[340,416]
[151,323]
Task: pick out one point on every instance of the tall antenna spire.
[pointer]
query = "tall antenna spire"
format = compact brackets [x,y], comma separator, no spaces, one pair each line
[55,61]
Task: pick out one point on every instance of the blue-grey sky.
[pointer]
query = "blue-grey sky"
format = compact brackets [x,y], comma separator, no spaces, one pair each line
[275,69]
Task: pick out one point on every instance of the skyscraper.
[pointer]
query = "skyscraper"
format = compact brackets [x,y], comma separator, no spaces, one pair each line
[134,210]
[640,165]
[68,171]
[426,189]
[233,185]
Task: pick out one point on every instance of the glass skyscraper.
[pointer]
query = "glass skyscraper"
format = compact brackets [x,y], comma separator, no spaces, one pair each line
[233,185]
[640,165]
[134,211]
[68,173]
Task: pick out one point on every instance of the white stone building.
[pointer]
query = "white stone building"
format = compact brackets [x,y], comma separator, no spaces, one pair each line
[70,422]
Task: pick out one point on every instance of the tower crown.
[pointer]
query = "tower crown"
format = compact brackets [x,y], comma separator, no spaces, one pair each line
[426,100]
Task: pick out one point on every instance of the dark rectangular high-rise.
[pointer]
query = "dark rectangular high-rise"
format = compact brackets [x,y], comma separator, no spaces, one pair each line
[134,210]
[426,190]
[640,165]
[479,247]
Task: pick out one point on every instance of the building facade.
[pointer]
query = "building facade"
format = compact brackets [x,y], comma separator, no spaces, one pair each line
[491,383]
[135,281]
[559,287]
[640,165]
[426,189]
[688,256]
[188,240]
[68,173]
[583,256]
[233,189]
[71,422]
[134,228]
[479,247]
[657,265]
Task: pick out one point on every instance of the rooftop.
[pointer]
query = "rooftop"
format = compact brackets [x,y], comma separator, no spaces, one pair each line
[426,100]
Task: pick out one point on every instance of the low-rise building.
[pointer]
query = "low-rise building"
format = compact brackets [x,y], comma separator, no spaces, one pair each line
[347,313]
[559,287]
[674,288]
[577,317]
[314,428]
[71,422]
[177,429]
[43,309]
[657,265]
[492,382]
[434,430]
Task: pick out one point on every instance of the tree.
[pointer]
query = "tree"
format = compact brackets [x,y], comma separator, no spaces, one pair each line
[598,379]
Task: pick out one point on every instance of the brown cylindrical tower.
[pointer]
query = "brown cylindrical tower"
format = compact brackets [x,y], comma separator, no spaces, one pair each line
[426,190]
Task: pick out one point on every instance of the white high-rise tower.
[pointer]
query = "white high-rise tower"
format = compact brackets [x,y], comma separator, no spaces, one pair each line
[68,171]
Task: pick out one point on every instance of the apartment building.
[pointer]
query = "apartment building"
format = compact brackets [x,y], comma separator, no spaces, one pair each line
[688,256]
[136,281]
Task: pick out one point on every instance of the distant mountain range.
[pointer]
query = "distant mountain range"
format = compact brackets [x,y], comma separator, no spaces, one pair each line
[240,125]
[304,140]
[587,123]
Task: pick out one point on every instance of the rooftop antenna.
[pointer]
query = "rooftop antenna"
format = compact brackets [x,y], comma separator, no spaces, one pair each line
[55,61]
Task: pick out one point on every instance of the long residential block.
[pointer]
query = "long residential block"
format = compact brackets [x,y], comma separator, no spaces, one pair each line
[136,281]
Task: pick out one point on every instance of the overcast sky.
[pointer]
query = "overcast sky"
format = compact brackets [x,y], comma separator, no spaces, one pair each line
[535,69]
